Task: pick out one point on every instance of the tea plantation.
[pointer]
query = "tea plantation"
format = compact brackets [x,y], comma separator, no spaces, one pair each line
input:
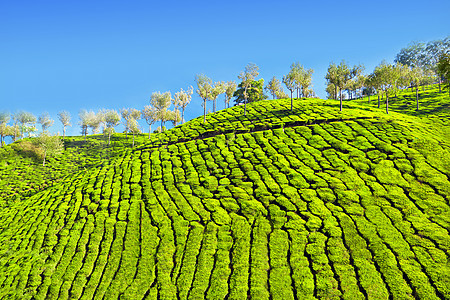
[309,204]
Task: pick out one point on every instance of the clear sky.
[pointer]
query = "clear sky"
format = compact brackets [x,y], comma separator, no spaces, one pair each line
[72,55]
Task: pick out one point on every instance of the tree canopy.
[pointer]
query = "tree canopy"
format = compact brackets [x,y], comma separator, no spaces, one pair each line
[254,92]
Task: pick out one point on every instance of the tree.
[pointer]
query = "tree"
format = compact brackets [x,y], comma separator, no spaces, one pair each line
[45,121]
[289,81]
[443,68]
[50,144]
[150,115]
[112,119]
[217,89]
[332,78]
[176,111]
[161,102]
[302,78]
[130,116]
[413,56]
[341,75]
[274,87]
[435,50]
[248,76]
[182,98]
[254,93]
[95,121]
[387,77]
[64,118]
[229,92]
[133,126]
[331,91]
[26,119]
[4,128]
[416,77]
[370,86]
[84,122]
[204,88]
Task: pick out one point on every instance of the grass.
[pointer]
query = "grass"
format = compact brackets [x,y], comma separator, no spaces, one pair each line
[316,204]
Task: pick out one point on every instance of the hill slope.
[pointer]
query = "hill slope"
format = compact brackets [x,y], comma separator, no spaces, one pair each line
[278,205]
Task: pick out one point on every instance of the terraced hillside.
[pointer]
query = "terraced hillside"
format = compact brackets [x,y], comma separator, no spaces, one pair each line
[23,173]
[277,205]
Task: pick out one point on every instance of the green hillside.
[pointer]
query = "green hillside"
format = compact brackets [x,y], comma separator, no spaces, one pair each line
[309,204]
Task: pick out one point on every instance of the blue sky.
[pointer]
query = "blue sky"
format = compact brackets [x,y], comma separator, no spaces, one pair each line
[72,55]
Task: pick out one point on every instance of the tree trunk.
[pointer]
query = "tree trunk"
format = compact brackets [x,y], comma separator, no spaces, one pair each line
[378,100]
[64,132]
[1,141]
[182,116]
[45,154]
[335,93]
[292,104]
[245,102]
[417,98]
[291,99]
[133,138]
[214,106]
[297,94]
[109,138]
[149,130]
[340,97]
[204,110]
[387,103]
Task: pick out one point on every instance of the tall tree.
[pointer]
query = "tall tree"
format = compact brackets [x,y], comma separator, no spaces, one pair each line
[302,78]
[112,119]
[4,130]
[413,56]
[331,91]
[415,77]
[289,81]
[435,49]
[254,93]
[161,102]
[133,126]
[25,119]
[274,87]
[45,121]
[229,92]
[443,68]
[204,88]
[50,144]
[84,122]
[95,121]
[332,78]
[369,84]
[150,115]
[387,76]
[217,89]
[64,118]
[247,77]
[176,101]
[130,116]
[344,73]
[183,98]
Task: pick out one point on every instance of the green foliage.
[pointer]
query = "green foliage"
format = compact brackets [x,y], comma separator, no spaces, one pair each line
[311,204]
[254,92]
